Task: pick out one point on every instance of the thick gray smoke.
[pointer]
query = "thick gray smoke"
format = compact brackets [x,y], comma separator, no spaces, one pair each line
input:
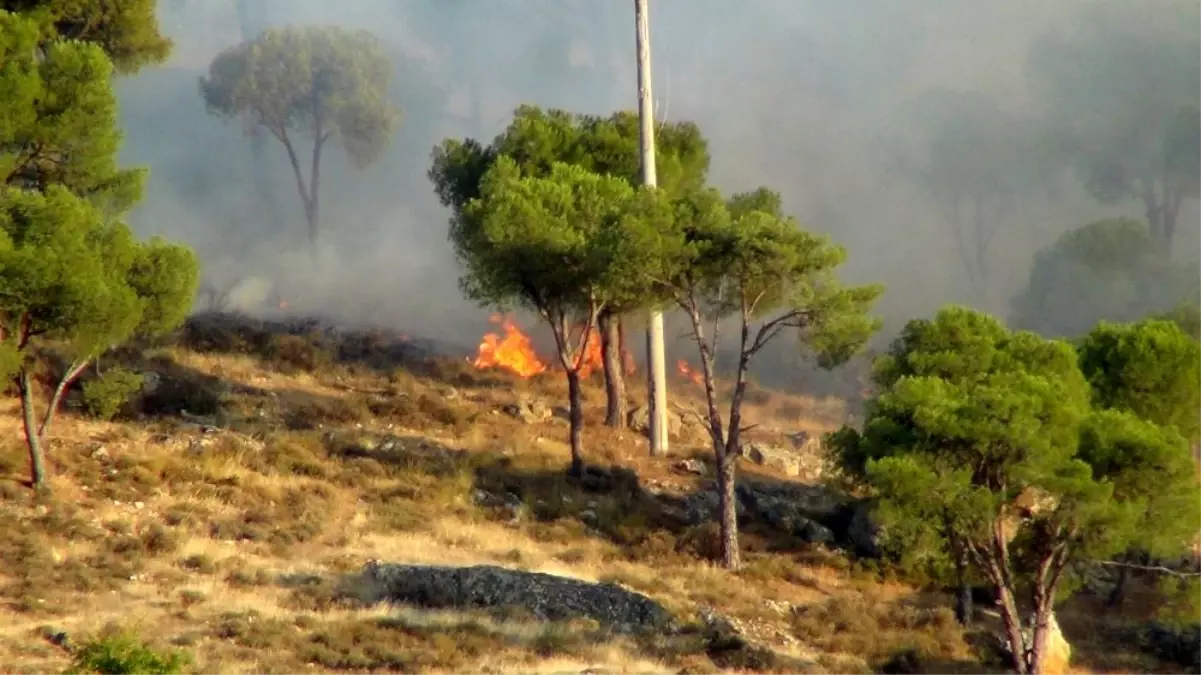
[869,117]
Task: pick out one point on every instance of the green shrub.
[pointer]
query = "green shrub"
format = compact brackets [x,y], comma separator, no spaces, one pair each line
[104,396]
[121,653]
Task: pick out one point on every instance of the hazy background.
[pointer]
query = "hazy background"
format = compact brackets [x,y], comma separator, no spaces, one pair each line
[834,104]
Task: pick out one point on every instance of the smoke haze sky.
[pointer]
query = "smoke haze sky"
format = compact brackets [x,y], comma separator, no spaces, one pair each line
[814,98]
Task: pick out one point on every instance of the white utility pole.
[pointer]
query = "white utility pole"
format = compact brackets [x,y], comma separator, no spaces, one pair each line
[656,354]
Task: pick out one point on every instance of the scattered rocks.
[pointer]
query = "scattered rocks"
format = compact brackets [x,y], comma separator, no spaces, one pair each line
[776,457]
[699,508]
[784,514]
[691,466]
[802,511]
[743,646]
[546,597]
[529,411]
[804,460]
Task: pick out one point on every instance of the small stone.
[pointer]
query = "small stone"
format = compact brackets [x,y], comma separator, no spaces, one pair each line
[692,466]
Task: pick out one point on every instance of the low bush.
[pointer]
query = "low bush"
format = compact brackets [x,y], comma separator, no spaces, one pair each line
[104,396]
[121,653]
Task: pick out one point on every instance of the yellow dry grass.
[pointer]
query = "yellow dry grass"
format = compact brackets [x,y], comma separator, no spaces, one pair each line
[236,542]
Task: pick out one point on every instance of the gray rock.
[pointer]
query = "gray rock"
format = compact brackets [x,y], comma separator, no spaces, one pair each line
[785,515]
[639,420]
[545,596]
[701,507]
[692,466]
[805,459]
[530,412]
[776,457]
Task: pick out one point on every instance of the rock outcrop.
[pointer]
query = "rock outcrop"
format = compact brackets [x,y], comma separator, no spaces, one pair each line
[545,596]
[804,458]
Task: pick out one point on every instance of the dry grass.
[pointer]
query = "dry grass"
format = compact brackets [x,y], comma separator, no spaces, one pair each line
[235,536]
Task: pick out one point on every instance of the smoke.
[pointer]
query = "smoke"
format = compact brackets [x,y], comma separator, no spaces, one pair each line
[834,104]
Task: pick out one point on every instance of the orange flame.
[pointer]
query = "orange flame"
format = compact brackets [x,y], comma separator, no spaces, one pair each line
[513,352]
[283,304]
[686,371]
[593,359]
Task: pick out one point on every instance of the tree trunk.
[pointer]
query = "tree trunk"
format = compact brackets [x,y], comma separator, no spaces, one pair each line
[615,388]
[963,593]
[1040,630]
[727,504]
[1013,630]
[33,441]
[1119,589]
[576,415]
[315,189]
[72,373]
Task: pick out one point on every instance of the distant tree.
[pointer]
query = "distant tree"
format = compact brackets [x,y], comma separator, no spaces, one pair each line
[1151,369]
[1187,315]
[536,139]
[314,81]
[977,164]
[127,30]
[1119,90]
[252,21]
[983,441]
[70,272]
[744,260]
[1106,270]
[551,244]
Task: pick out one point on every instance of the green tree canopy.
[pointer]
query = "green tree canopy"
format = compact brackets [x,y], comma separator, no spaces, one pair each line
[318,82]
[536,140]
[984,440]
[127,30]
[72,276]
[1151,368]
[70,271]
[59,122]
[744,260]
[551,244]
[1106,270]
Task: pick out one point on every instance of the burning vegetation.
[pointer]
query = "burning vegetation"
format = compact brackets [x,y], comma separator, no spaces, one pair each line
[511,349]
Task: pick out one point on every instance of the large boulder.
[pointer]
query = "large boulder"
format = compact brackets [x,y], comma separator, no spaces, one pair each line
[1057,660]
[784,460]
[639,419]
[805,457]
[545,596]
[785,513]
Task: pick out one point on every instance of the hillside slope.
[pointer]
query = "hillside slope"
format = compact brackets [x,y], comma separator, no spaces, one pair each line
[230,512]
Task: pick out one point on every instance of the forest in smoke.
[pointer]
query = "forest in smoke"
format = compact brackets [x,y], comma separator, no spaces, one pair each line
[943,143]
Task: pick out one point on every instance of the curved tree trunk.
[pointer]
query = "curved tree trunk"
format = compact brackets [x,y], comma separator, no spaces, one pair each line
[33,440]
[615,388]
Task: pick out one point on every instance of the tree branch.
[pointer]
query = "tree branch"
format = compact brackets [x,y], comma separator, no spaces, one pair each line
[1158,569]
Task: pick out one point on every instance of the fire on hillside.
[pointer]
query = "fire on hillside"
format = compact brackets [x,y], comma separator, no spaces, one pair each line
[512,350]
